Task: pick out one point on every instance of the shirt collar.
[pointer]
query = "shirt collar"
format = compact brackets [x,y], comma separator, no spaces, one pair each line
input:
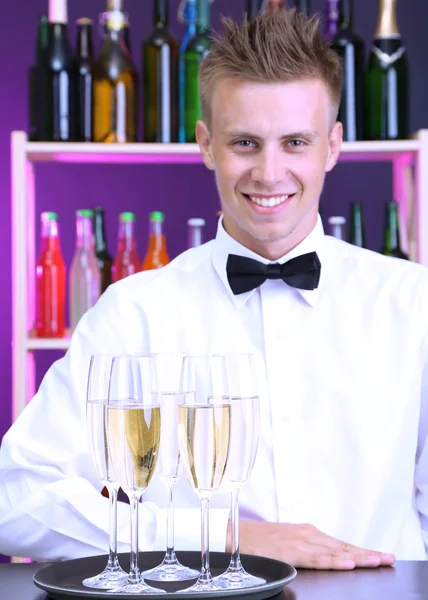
[224,245]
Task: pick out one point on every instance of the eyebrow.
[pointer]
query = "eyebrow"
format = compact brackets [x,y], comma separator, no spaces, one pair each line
[312,135]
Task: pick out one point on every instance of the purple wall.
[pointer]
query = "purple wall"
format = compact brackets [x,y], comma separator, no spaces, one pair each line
[180,191]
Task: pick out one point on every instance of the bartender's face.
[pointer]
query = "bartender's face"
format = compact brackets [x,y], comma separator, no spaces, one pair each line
[270,145]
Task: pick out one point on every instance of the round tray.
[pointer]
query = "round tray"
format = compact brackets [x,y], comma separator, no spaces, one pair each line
[62,580]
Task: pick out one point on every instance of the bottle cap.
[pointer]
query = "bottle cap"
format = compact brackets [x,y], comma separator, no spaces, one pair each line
[85,212]
[84,21]
[49,216]
[157,216]
[127,217]
[337,220]
[98,209]
[196,222]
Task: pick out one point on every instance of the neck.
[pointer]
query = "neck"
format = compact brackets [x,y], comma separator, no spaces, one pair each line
[275,249]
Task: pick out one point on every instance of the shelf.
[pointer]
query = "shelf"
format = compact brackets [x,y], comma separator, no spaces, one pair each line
[47,343]
[190,154]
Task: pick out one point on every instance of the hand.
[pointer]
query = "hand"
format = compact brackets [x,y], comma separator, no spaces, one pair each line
[305,547]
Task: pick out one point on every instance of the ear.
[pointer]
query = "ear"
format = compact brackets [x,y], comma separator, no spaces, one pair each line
[204,140]
[334,146]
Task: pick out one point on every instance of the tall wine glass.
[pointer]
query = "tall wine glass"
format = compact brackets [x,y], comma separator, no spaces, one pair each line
[244,440]
[133,436]
[203,434]
[168,368]
[96,400]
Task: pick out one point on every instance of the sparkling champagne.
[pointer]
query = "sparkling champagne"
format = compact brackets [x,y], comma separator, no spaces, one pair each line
[204,434]
[133,440]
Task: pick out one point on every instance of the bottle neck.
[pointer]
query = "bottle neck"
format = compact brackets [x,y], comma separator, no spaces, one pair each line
[392,234]
[194,236]
[156,236]
[190,16]
[253,8]
[42,37]
[126,239]
[345,14]
[161,14]
[204,16]
[50,236]
[387,24]
[357,235]
[303,6]
[85,48]
[99,232]
[84,233]
[274,5]
[331,18]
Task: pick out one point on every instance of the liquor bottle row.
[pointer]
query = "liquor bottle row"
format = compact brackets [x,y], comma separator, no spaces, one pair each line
[93,268]
[357,236]
[75,96]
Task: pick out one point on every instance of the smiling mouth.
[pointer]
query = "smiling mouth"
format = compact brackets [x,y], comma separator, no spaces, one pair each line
[270,201]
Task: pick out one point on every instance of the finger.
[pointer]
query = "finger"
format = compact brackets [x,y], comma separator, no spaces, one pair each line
[351,552]
[322,557]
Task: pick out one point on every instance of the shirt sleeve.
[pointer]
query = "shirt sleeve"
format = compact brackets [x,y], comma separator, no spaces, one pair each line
[421,468]
[51,507]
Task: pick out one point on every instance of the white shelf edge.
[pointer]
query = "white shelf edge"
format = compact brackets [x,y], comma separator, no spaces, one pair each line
[47,343]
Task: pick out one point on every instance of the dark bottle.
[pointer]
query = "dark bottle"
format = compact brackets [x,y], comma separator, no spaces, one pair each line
[391,243]
[160,66]
[387,88]
[104,258]
[331,19]
[35,90]
[303,6]
[85,56]
[357,234]
[196,51]
[58,116]
[114,83]
[126,34]
[187,16]
[350,48]
[253,8]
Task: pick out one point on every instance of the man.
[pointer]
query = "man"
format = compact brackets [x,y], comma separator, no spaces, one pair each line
[340,344]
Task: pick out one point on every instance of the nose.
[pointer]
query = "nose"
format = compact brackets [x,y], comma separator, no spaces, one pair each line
[269,168]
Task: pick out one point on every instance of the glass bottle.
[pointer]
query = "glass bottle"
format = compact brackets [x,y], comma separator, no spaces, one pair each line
[50,281]
[391,236]
[36,87]
[197,49]
[104,258]
[157,254]
[357,233]
[187,16]
[58,115]
[337,227]
[85,280]
[272,5]
[85,56]
[127,261]
[195,232]
[253,8]
[331,19]
[303,6]
[350,48]
[115,83]
[387,80]
[160,70]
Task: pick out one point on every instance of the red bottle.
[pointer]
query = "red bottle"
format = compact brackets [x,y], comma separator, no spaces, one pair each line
[127,261]
[50,281]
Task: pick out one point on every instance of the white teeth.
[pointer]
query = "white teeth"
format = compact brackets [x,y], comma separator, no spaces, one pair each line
[274,201]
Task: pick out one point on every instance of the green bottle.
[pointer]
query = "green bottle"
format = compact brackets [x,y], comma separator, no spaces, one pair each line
[387,101]
[357,234]
[160,60]
[391,244]
[35,83]
[195,52]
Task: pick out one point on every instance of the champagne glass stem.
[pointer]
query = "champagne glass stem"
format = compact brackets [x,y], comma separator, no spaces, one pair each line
[235,561]
[205,576]
[134,571]
[170,558]
[113,562]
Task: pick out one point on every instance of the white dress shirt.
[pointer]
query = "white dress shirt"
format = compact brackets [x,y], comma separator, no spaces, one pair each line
[342,376]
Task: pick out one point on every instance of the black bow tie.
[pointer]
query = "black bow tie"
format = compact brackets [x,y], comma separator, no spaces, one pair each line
[245,274]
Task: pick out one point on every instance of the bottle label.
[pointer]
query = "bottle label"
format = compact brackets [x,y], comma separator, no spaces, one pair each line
[389,59]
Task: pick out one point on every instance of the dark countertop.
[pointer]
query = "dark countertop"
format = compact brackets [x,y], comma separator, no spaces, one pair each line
[407,580]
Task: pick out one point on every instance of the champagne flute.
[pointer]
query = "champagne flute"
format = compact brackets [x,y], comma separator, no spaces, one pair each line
[168,368]
[244,439]
[133,436]
[96,399]
[203,434]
